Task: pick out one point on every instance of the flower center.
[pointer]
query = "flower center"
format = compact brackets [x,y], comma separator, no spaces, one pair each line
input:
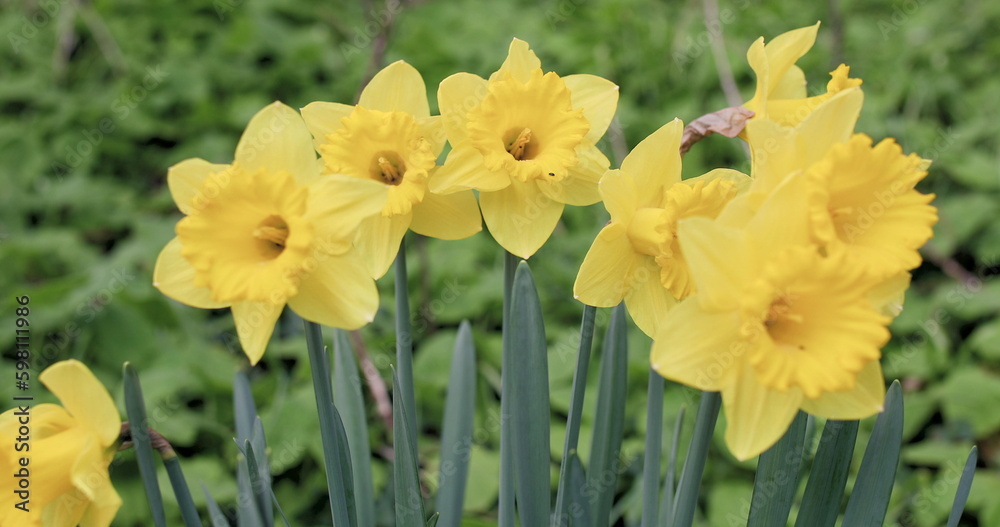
[250,241]
[388,147]
[529,130]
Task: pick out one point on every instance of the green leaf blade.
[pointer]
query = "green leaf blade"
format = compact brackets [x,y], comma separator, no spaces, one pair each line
[830,469]
[873,488]
[409,504]
[348,398]
[964,486]
[135,407]
[456,436]
[777,477]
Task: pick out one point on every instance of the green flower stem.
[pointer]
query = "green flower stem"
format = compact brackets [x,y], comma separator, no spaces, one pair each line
[404,345]
[694,463]
[651,459]
[327,424]
[135,406]
[506,499]
[181,491]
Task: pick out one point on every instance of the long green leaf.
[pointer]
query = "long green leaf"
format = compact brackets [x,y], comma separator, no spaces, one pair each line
[135,406]
[505,505]
[456,435]
[214,512]
[333,449]
[262,488]
[873,488]
[409,500]
[245,414]
[651,459]
[189,513]
[261,500]
[667,497]
[348,399]
[529,400]
[247,511]
[609,419]
[964,486]
[404,344]
[346,469]
[577,508]
[688,488]
[575,411]
[825,489]
[778,477]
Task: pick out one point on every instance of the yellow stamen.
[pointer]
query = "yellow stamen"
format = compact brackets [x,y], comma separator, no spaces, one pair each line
[390,174]
[517,147]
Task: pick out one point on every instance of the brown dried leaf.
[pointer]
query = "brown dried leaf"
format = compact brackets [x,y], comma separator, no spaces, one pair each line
[727,121]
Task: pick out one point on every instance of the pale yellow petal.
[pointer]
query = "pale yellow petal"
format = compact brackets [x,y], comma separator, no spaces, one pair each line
[337,206]
[185,179]
[85,398]
[520,217]
[254,325]
[520,62]
[791,85]
[52,460]
[378,239]
[887,297]
[447,217]
[647,300]
[432,129]
[464,170]
[739,179]
[783,219]
[65,511]
[173,275]
[398,87]
[89,471]
[655,163]
[620,196]
[580,186]
[785,50]
[866,399]
[457,95]
[276,139]
[339,293]
[603,279]
[696,347]
[323,119]
[103,508]
[597,97]
[756,417]
[718,259]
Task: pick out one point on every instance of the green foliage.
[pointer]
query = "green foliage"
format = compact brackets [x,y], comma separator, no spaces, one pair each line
[99,98]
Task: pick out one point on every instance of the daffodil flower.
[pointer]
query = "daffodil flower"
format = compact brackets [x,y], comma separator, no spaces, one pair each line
[267,231]
[527,141]
[780,94]
[71,447]
[391,138]
[775,325]
[636,257]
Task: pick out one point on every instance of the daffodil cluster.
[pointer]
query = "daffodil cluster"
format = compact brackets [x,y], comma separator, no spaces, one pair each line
[278,227]
[774,289]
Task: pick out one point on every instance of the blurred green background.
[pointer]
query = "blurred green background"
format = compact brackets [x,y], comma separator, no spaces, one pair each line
[99,98]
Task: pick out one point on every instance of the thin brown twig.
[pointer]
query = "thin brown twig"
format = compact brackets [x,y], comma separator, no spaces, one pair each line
[722,66]
[105,40]
[949,266]
[381,41]
[376,385]
[156,440]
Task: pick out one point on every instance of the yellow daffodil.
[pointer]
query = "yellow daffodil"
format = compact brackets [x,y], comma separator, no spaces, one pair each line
[636,257]
[775,325]
[267,231]
[781,85]
[69,449]
[526,140]
[390,137]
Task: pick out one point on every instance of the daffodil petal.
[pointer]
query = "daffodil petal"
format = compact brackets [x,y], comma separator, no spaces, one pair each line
[619,195]
[697,347]
[888,296]
[520,217]
[520,62]
[432,129]
[718,259]
[597,97]
[255,323]
[782,52]
[323,119]
[103,507]
[89,470]
[647,300]
[739,179]
[867,397]
[337,206]
[580,186]
[85,398]
[173,275]
[603,279]
[185,179]
[378,240]
[398,87]
[656,161]
[51,461]
[339,293]
[67,509]
[783,219]
[276,139]
[791,85]
[756,416]
[457,95]
[464,170]
[447,217]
